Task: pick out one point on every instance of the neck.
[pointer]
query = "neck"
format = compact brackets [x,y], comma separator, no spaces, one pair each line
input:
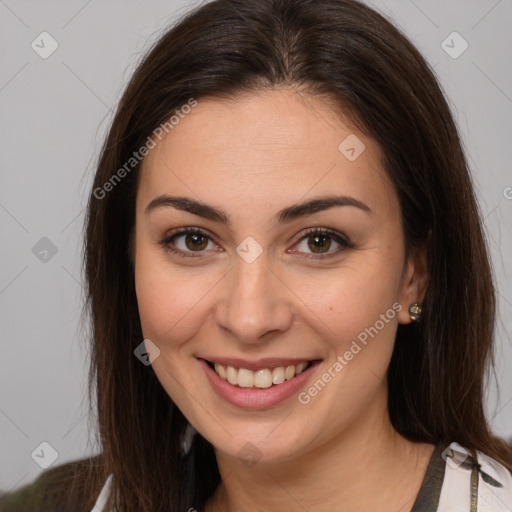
[368,466]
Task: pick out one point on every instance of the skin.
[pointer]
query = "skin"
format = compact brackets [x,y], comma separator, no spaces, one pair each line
[251,156]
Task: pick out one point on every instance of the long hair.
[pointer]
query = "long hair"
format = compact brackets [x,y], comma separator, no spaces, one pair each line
[367,69]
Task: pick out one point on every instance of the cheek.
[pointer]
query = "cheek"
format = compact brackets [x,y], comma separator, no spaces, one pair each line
[169,305]
[357,318]
[347,301]
[168,300]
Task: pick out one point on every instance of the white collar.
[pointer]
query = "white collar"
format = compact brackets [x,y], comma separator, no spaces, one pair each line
[456,489]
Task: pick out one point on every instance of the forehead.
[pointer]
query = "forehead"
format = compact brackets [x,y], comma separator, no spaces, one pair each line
[272,146]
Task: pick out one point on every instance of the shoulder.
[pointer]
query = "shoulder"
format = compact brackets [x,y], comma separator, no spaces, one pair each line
[72,487]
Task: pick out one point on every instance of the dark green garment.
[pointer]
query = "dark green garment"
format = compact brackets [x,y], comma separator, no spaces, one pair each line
[70,487]
[59,490]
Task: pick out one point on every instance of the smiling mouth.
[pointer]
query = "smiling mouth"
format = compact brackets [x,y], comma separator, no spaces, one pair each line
[263,378]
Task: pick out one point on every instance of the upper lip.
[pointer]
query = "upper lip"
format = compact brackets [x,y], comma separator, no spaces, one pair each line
[257,364]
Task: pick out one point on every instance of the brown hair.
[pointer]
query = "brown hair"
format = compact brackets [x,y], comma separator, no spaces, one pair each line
[350,54]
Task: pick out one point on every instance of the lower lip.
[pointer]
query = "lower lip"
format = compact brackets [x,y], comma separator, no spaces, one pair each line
[256,398]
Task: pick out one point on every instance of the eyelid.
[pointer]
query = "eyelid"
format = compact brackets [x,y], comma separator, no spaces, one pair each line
[166,240]
[338,237]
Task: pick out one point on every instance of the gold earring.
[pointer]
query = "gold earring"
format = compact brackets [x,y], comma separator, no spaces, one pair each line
[415,311]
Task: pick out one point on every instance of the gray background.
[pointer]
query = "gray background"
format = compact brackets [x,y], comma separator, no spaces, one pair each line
[54,114]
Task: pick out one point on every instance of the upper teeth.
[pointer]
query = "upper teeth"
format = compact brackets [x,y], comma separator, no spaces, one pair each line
[260,379]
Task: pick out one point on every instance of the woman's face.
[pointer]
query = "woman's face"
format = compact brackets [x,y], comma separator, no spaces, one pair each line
[249,289]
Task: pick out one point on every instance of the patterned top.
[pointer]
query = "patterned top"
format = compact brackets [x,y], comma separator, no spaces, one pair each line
[454,482]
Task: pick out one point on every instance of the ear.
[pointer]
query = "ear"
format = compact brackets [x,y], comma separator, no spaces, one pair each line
[414,281]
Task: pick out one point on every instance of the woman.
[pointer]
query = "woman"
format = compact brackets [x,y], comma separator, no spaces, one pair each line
[290,291]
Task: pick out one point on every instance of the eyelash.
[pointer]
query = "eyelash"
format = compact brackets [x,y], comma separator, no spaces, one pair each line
[343,241]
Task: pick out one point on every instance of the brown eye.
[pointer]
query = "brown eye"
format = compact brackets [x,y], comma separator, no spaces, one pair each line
[196,241]
[319,243]
[185,242]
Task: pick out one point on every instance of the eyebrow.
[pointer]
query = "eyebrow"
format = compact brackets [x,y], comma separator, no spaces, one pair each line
[285,215]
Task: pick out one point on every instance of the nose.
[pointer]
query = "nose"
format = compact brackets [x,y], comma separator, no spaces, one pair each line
[255,302]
